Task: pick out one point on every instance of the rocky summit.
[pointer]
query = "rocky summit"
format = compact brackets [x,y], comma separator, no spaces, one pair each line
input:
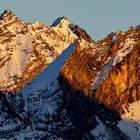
[58,83]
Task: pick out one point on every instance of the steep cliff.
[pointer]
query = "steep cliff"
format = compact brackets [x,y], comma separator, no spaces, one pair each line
[107,71]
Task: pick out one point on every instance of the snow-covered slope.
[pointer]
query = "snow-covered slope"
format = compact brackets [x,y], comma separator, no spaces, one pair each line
[39,102]
[36,87]
[130,123]
[27,48]
[106,132]
[49,121]
[31,57]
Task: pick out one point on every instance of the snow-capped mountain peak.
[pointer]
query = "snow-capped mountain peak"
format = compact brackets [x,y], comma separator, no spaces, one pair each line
[27,48]
[60,20]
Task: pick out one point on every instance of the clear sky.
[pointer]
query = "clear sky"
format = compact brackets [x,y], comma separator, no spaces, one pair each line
[97,17]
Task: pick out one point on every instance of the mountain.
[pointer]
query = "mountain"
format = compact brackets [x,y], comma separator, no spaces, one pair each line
[107,74]
[27,48]
[109,66]
[58,83]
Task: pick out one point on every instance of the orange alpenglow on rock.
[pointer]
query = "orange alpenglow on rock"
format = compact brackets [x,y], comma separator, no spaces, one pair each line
[108,70]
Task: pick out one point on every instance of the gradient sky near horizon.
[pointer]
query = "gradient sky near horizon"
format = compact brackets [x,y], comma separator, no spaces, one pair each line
[97,17]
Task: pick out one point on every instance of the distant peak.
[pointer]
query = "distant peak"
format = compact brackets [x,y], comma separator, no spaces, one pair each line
[137,27]
[58,21]
[6,13]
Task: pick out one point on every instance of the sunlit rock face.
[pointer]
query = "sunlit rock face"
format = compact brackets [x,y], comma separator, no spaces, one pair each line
[107,71]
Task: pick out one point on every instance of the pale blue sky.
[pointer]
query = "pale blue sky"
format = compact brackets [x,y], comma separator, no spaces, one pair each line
[97,17]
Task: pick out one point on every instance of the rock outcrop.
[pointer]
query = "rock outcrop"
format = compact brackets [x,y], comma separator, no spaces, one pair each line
[107,71]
